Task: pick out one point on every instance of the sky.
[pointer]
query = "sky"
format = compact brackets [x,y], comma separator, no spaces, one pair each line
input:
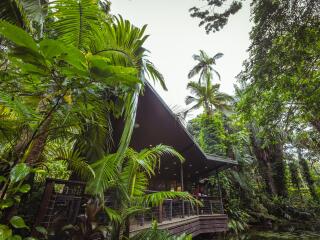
[175,37]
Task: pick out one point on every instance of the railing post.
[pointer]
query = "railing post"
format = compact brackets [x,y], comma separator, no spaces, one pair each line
[142,220]
[160,216]
[220,195]
[47,194]
[182,209]
[170,209]
[197,209]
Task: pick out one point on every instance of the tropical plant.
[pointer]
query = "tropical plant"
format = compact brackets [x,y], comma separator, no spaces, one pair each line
[207,96]
[15,189]
[60,88]
[158,234]
[27,14]
[126,181]
[87,226]
[204,66]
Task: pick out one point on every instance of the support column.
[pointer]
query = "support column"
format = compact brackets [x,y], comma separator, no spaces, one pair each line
[181,177]
[182,187]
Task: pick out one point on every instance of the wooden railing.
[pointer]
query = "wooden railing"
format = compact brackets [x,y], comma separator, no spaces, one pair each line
[62,199]
[176,208]
[65,199]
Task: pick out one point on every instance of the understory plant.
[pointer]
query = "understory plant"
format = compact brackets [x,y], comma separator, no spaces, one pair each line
[67,68]
[126,182]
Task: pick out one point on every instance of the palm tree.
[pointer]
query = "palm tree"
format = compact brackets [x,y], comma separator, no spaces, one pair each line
[68,82]
[123,43]
[127,180]
[204,66]
[207,96]
[115,54]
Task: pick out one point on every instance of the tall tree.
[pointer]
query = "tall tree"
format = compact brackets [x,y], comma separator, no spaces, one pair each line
[204,66]
[207,96]
[214,16]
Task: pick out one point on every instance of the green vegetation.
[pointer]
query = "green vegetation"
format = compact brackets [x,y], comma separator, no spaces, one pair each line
[67,69]
[273,131]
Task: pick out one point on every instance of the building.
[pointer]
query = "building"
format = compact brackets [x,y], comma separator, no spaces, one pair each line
[156,124]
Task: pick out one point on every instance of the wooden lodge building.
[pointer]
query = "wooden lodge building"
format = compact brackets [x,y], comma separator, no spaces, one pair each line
[156,124]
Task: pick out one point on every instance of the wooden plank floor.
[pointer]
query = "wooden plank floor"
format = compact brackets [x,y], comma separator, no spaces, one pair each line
[193,225]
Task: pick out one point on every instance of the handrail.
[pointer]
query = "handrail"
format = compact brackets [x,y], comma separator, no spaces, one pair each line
[62,181]
[70,197]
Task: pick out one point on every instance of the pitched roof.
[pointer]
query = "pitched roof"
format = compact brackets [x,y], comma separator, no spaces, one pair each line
[156,123]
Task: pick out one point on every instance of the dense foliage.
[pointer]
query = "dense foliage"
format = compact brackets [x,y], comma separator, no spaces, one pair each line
[273,132]
[68,68]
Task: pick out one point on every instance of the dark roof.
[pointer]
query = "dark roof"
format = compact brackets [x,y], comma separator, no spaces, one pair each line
[156,124]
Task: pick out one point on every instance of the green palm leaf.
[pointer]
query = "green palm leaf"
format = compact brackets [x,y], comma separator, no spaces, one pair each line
[23,13]
[105,175]
[155,199]
[77,21]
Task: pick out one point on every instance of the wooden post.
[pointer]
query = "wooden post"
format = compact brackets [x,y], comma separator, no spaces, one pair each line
[181,177]
[142,220]
[49,189]
[182,188]
[220,195]
[197,209]
[170,218]
[160,218]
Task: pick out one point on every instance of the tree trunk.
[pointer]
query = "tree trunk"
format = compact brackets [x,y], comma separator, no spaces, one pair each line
[265,167]
[307,176]
[38,144]
[278,169]
[271,165]
[316,124]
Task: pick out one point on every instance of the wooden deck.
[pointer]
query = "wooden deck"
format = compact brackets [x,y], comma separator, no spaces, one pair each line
[66,199]
[193,225]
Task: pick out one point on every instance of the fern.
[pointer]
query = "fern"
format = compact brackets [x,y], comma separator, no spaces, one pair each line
[77,21]
[62,151]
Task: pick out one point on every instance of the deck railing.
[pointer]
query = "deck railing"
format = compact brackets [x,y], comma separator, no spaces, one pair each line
[176,208]
[65,199]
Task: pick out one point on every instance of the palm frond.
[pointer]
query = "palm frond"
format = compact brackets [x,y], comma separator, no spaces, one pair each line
[64,151]
[105,174]
[154,74]
[113,215]
[196,88]
[18,36]
[190,99]
[131,105]
[23,13]
[196,106]
[153,155]
[18,107]
[77,21]
[155,199]
[217,56]
[217,73]
[195,70]
[121,42]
